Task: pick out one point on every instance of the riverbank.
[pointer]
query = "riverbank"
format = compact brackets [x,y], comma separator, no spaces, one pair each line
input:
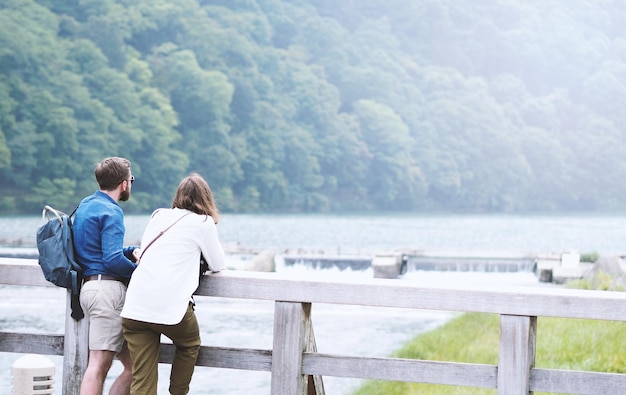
[584,345]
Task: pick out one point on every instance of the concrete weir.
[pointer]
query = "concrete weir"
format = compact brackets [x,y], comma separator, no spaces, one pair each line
[341,262]
[385,264]
[472,264]
[395,263]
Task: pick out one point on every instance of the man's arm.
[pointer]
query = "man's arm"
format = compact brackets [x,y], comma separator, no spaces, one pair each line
[114,255]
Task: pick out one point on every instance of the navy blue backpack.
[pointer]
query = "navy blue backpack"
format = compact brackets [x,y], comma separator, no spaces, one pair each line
[55,242]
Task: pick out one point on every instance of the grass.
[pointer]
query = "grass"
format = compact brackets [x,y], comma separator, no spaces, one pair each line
[601,281]
[576,344]
[589,257]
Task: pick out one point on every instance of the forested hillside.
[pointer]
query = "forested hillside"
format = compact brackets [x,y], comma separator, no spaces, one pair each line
[317,105]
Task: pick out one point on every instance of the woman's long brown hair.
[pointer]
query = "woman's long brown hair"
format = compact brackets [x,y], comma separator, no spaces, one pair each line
[194,194]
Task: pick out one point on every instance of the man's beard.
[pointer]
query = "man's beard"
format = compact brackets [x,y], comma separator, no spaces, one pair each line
[125,195]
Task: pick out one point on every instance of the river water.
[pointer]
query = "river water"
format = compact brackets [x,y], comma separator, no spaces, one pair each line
[358,331]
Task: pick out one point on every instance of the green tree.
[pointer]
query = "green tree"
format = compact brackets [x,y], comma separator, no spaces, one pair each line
[395,182]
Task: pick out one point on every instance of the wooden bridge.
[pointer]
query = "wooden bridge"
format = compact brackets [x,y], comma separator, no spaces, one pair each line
[297,368]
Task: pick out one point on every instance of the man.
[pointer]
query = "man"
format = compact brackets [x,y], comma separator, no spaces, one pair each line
[99,237]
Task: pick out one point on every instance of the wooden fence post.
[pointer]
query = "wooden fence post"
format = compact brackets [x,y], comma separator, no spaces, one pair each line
[75,350]
[517,354]
[293,334]
[316,383]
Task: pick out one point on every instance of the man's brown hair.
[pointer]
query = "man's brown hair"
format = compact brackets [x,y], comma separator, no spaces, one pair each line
[110,172]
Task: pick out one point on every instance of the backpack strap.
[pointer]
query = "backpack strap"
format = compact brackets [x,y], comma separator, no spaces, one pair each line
[77,310]
[77,277]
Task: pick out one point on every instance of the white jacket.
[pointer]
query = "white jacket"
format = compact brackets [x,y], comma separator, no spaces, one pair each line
[168,273]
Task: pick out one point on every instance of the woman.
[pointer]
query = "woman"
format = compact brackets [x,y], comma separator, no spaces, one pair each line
[159,296]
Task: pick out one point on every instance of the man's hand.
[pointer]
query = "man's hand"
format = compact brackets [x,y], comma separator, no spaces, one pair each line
[137,255]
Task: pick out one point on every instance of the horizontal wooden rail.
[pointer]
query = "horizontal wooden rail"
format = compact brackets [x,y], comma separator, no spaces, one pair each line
[294,356]
[510,300]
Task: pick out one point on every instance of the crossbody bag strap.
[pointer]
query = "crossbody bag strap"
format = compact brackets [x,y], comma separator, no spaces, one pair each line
[161,234]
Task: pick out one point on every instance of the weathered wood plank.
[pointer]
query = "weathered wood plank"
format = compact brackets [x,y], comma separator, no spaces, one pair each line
[221,357]
[577,382]
[76,350]
[315,382]
[448,373]
[290,326]
[16,271]
[31,343]
[399,369]
[517,354]
[526,301]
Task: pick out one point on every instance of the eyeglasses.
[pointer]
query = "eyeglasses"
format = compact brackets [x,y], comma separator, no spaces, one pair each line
[131,180]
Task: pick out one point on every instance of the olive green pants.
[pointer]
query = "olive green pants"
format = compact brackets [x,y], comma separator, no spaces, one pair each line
[144,340]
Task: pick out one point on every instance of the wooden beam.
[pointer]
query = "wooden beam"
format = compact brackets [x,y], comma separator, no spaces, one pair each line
[510,300]
[576,382]
[31,343]
[315,382]
[523,301]
[517,354]
[76,350]
[222,357]
[17,271]
[290,326]
[400,369]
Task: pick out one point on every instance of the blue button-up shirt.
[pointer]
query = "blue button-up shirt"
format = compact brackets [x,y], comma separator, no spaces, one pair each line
[99,237]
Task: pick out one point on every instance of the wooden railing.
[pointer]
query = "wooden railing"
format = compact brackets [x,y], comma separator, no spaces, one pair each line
[297,368]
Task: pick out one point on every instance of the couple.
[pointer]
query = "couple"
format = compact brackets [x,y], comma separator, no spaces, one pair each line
[165,273]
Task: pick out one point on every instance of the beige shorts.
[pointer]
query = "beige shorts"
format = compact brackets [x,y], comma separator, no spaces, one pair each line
[102,301]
